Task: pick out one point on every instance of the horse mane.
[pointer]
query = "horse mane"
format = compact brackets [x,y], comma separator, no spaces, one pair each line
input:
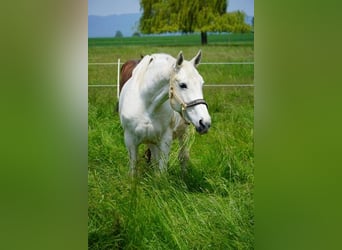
[140,69]
[137,66]
[142,66]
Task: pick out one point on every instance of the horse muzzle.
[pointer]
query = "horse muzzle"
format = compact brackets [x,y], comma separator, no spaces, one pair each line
[203,126]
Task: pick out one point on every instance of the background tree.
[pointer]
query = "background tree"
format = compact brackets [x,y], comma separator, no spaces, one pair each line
[253,23]
[136,34]
[160,16]
[118,34]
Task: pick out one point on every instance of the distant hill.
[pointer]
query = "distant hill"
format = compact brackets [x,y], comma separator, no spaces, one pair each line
[107,26]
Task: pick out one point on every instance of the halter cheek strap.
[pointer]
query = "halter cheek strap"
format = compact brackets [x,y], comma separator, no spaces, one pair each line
[184,105]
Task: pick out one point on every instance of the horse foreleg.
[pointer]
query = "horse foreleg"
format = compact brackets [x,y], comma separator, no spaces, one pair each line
[165,146]
[160,152]
[132,153]
[155,154]
[159,156]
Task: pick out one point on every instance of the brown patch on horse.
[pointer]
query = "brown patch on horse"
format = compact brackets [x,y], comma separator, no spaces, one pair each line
[126,72]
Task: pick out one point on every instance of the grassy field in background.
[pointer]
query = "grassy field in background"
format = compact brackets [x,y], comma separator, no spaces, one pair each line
[212,206]
[179,40]
[212,74]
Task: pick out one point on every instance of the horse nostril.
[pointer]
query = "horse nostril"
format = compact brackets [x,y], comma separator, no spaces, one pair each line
[203,126]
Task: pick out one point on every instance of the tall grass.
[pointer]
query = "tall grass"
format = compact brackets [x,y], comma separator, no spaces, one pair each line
[211,207]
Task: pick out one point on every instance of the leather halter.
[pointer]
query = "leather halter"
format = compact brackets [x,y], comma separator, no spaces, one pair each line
[183,104]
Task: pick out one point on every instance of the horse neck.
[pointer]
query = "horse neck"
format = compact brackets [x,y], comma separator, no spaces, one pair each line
[156,88]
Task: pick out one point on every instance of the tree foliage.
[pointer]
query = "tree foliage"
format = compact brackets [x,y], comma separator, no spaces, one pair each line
[136,34]
[118,34]
[161,16]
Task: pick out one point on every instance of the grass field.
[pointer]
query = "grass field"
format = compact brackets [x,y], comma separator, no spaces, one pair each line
[212,206]
[212,74]
[183,40]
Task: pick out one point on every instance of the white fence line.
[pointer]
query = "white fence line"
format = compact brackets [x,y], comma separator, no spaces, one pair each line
[204,63]
[205,85]
[208,85]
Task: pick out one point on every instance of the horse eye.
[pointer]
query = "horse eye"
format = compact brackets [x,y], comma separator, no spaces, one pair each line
[183,85]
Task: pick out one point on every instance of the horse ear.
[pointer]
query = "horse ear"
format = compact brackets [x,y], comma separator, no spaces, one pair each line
[196,60]
[180,59]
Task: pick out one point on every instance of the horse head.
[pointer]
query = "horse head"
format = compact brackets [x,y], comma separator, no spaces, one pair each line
[186,95]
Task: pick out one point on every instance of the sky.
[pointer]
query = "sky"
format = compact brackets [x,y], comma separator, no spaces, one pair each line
[110,7]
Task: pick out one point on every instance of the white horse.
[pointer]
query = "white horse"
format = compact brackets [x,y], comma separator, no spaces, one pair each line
[163,96]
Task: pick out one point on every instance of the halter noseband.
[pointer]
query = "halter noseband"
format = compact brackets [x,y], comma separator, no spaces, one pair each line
[183,104]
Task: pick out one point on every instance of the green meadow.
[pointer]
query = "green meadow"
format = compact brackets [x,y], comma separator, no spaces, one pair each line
[212,207]
[180,40]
